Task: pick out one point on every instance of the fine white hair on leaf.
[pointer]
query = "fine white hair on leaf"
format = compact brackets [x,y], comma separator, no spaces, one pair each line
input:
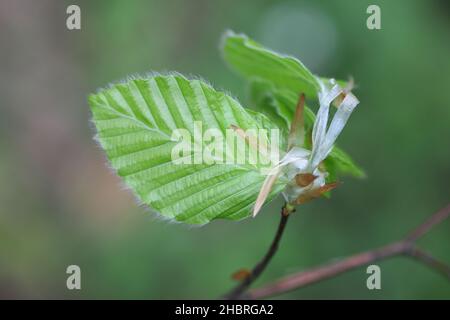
[230,33]
[124,186]
[122,183]
[152,74]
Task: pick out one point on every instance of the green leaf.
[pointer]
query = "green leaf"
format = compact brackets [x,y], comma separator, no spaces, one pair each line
[252,60]
[135,122]
[340,163]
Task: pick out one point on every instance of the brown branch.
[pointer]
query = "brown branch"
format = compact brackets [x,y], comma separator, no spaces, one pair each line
[259,268]
[429,260]
[425,227]
[406,247]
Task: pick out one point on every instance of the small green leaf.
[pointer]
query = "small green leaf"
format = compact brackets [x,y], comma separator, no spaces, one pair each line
[135,122]
[251,60]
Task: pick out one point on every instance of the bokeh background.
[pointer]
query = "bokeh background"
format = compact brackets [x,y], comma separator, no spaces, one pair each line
[60,205]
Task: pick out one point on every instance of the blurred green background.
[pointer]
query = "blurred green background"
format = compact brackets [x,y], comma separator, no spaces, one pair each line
[60,205]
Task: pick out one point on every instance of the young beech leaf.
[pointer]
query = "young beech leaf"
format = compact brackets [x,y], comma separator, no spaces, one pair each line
[135,123]
[252,60]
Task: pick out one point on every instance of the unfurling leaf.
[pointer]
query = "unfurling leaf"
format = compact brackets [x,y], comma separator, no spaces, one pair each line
[275,81]
[252,60]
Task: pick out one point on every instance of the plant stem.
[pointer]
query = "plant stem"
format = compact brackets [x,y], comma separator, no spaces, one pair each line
[261,266]
[406,247]
[426,258]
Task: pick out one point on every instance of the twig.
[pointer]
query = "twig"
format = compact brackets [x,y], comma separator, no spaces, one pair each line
[296,133]
[428,259]
[259,268]
[425,227]
[406,247]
